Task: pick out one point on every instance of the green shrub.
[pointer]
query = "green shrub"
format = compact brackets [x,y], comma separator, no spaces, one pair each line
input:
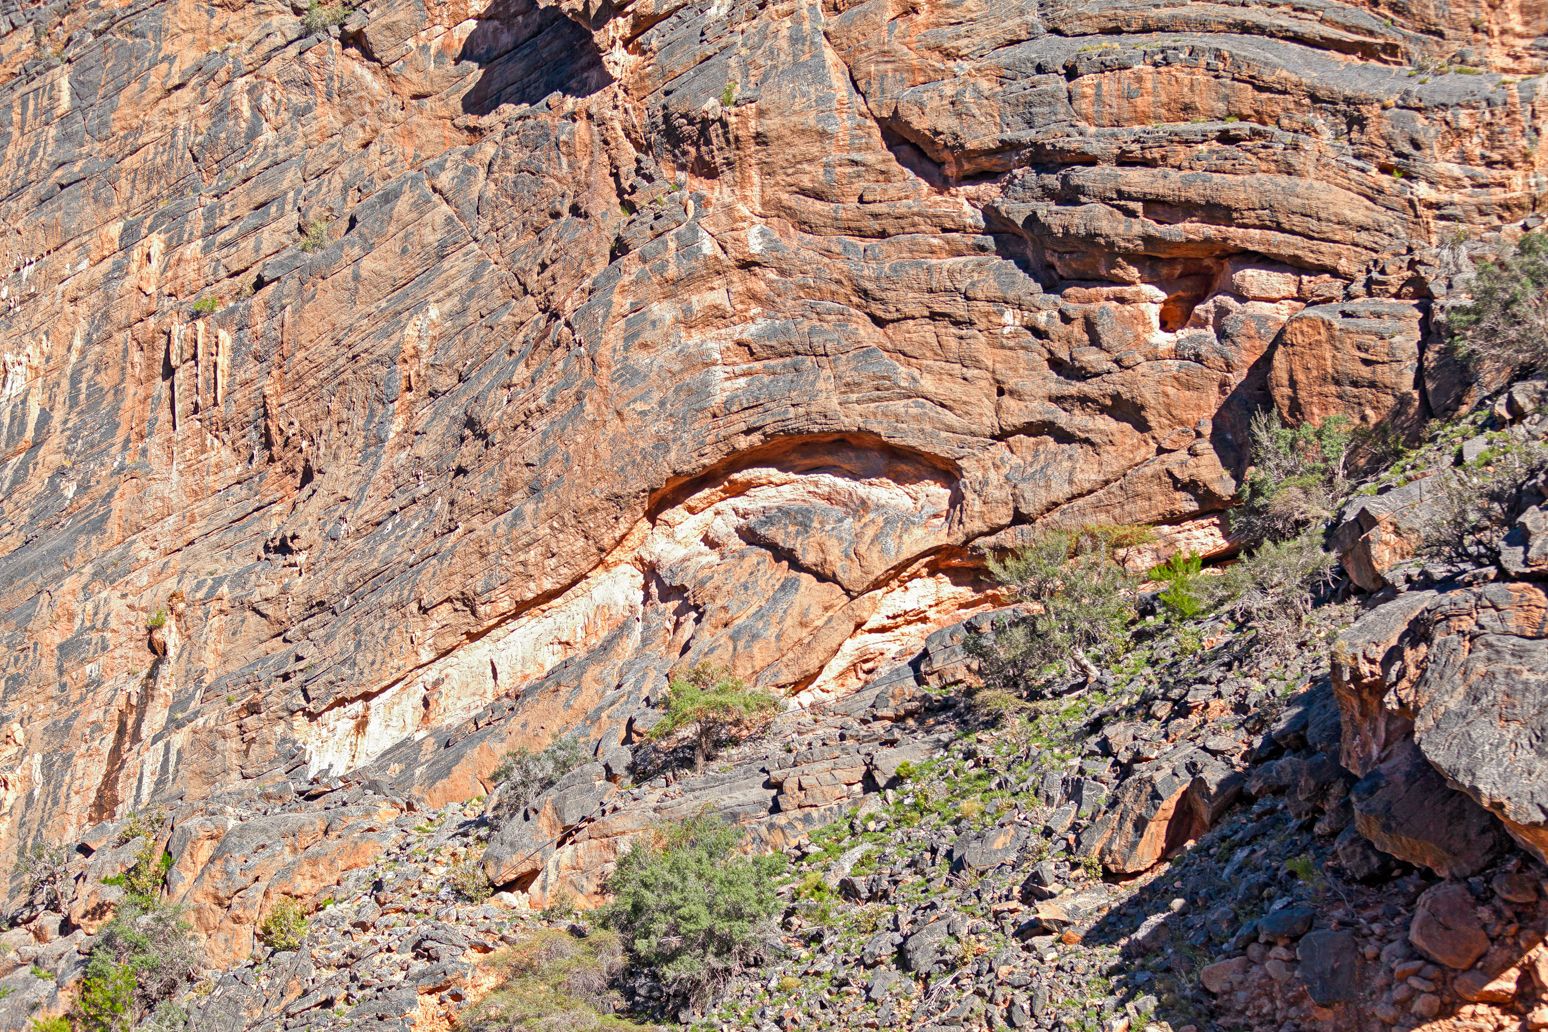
[728,95]
[468,882]
[141,959]
[815,898]
[168,1017]
[709,708]
[315,236]
[144,879]
[1274,588]
[992,706]
[55,1024]
[552,981]
[524,775]
[42,872]
[320,17]
[157,620]
[142,823]
[207,305]
[1303,868]
[1297,477]
[1503,328]
[284,927]
[1476,502]
[1180,599]
[692,909]
[1082,601]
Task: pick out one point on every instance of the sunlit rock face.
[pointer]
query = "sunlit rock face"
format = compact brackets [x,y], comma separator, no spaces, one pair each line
[386,396]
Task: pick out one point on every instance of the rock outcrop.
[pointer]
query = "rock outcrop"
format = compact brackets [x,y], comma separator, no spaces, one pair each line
[441,374]
[1442,689]
[389,385]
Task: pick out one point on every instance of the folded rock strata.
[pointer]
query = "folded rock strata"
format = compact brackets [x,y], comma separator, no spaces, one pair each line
[383,397]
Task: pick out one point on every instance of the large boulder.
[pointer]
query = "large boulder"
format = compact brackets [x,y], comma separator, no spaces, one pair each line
[1456,682]
[1352,358]
[1379,531]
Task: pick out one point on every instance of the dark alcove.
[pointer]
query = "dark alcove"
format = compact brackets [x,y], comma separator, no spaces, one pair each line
[528,52]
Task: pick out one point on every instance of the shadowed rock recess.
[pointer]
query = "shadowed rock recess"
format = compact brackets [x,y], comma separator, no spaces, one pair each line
[387,387]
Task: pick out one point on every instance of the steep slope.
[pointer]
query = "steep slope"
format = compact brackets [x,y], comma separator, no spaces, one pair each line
[449,356]
[386,387]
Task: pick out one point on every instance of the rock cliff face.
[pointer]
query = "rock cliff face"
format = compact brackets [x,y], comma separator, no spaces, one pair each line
[432,381]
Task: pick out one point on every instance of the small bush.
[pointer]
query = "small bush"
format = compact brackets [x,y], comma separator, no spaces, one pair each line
[42,873]
[524,775]
[284,927]
[314,237]
[709,708]
[1478,501]
[991,706]
[169,1017]
[693,910]
[815,898]
[142,823]
[1503,328]
[140,961]
[207,305]
[728,95]
[1181,599]
[467,881]
[1274,588]
[1302,868]
[1082,600]
[144,879]
[55,1024]
[1297,477]
[553,981]
[561,906]
[157,620]
[320,17]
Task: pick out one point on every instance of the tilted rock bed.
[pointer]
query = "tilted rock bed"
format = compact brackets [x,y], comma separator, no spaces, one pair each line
[1186,842]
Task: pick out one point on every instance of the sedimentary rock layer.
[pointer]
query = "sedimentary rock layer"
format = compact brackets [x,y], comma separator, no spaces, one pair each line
[446,376]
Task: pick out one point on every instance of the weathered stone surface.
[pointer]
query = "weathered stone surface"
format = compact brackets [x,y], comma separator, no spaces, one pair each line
[1219,976]
[1356,359]
[1161,806]
[448,377]
[1380,531]
[1330,966]
[1461,680]
[1405,808]
[993,847]
[923,950]
[1446,927]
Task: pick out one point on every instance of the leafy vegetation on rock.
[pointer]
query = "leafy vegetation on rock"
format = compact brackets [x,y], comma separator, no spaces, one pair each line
[468,881]
[143,880]
[1479,497]
[1081,601]
[524,775]
[1298,475]
[553,981]
[41,869]
[1502,329]
[283,928]
[1274,588]
[692,909]
[708,708]
[321,17]
[139,962]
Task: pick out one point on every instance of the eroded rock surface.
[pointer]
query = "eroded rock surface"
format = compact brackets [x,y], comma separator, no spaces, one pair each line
[442,378]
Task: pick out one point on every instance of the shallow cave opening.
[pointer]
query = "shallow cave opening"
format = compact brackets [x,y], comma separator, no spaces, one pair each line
[1183,295]
[528,53]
